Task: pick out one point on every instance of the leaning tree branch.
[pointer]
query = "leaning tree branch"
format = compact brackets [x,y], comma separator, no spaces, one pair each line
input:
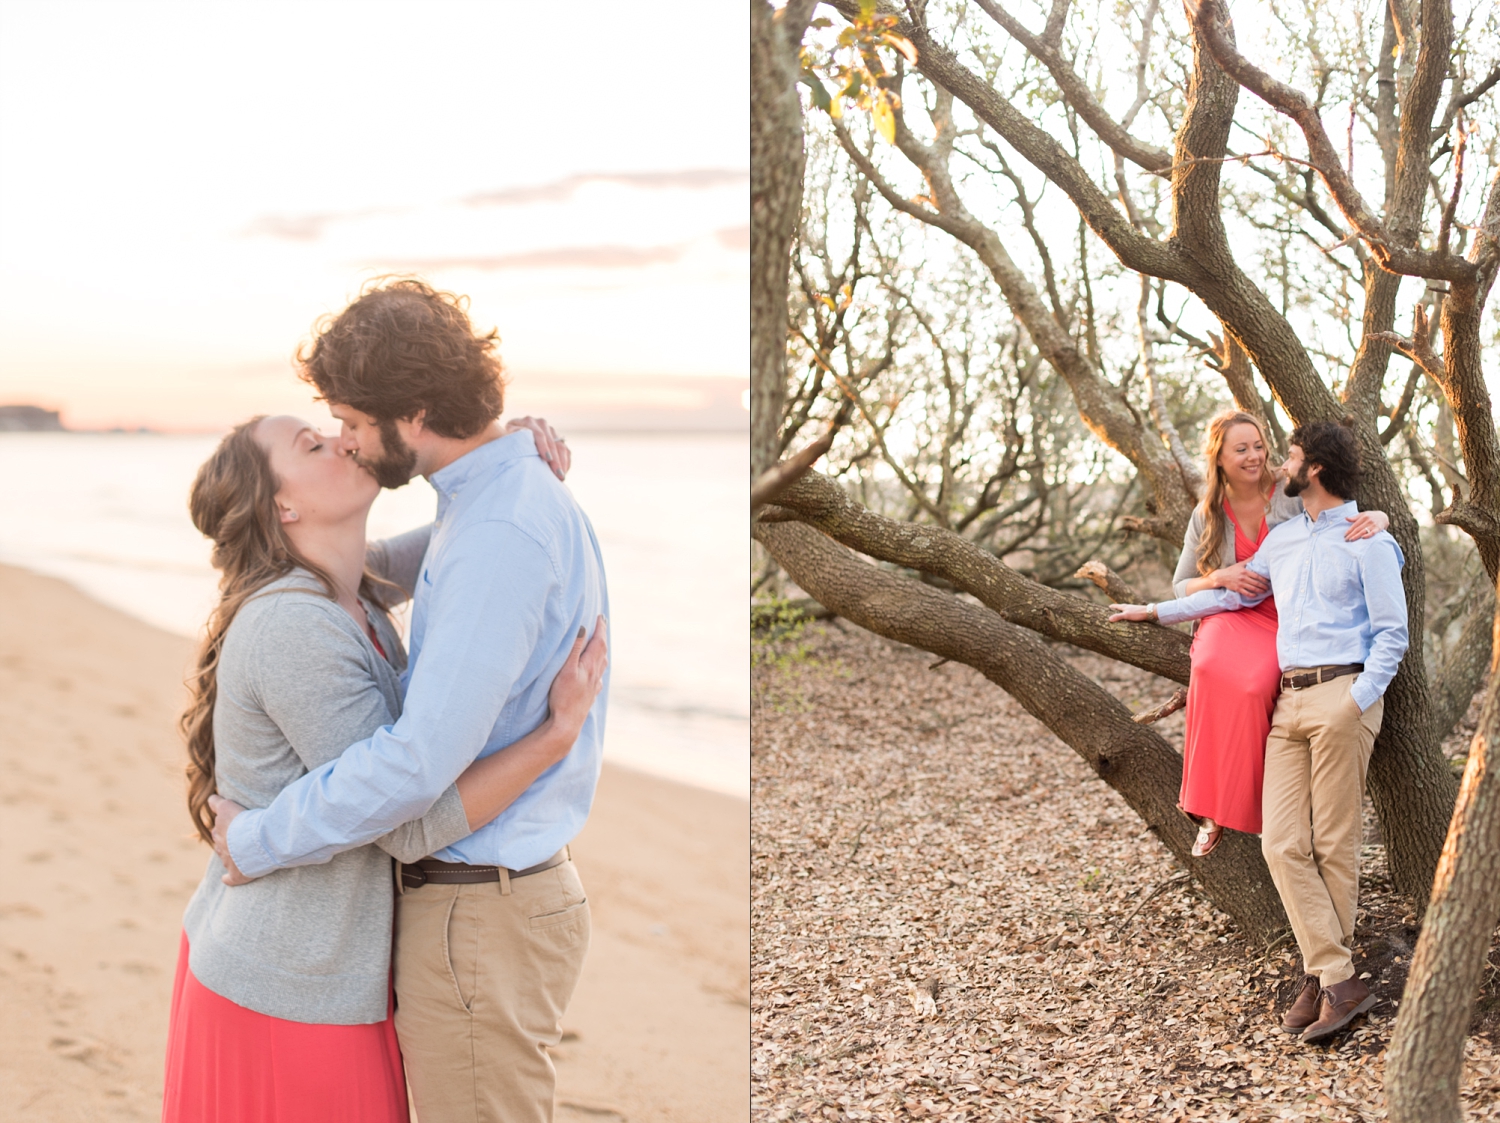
[819,502]
[1133,759]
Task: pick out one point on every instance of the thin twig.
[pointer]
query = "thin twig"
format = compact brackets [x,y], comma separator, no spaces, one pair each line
[1175,879]
[1156,713]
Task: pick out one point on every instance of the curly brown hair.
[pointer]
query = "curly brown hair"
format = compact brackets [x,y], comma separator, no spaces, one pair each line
[1333,447]
[403,347]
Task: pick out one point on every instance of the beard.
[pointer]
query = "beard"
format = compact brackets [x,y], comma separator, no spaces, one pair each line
[397,462]
[1295,485]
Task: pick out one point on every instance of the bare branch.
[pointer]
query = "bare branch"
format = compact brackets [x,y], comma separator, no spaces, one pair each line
[1399,414]
[1192,476]
[784,473]
[1156,713]
[1419,347]
[1075,90]
[1459,102]
[1212,21]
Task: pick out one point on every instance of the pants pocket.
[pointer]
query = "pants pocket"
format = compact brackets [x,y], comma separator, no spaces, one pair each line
[461,953]
[564,929]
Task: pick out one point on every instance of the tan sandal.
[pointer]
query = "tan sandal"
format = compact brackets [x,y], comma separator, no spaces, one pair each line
[1208,838]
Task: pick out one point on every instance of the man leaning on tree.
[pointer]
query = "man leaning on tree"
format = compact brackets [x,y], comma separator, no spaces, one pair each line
[1341,634]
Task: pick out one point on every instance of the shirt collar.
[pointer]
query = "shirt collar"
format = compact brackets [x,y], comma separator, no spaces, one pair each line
[1347,509]
[453,478]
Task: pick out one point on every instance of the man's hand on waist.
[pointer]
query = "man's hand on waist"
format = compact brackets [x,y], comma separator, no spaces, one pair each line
[224,811]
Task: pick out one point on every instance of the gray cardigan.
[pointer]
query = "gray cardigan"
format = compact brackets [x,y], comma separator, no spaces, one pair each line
[1281,509]
[298,683]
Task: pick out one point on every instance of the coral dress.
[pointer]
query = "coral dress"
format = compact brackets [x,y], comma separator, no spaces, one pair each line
[1236,677]
[227,1064]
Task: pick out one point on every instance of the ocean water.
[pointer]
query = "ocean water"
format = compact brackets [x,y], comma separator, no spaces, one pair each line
[107,512]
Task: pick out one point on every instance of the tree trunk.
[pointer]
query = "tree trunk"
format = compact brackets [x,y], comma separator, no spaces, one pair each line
[1462,673]
[1132,759]
[1424,1067]
[776,161]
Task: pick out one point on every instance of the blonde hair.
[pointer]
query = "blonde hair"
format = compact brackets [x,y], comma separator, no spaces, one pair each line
[1211,542]
[233,502]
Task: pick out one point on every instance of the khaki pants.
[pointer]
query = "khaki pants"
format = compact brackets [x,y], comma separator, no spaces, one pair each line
[1316,757]
[482,979]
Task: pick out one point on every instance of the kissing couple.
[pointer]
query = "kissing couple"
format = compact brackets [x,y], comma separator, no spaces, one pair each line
[391,895]
[1303,626]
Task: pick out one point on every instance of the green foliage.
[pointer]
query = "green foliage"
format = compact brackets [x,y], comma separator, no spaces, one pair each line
[779,647]
[855,68]
[777,628]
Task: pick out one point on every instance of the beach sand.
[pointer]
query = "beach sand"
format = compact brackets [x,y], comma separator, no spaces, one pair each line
[97,864]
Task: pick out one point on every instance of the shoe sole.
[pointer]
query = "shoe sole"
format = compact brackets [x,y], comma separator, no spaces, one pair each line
[1329,1031]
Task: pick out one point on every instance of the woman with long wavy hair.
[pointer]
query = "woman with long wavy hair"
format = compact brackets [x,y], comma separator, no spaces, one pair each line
[1236,674]
[281,1008]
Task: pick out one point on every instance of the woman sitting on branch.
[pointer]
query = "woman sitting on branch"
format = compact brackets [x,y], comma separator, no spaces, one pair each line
[1236,674]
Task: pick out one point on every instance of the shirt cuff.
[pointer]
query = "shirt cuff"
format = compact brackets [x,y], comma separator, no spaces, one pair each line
[1364,694]
[1170,612]
[243,840]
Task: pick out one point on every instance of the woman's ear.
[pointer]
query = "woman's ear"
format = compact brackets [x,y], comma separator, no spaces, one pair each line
[287,514]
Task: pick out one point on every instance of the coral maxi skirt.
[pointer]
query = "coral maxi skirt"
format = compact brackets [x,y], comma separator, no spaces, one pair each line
[1231,696]
[227,1064]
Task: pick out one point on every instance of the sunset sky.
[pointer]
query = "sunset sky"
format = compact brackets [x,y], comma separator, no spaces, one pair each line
[185,187]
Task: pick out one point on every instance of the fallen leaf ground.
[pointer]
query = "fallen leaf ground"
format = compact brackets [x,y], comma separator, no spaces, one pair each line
[953,918]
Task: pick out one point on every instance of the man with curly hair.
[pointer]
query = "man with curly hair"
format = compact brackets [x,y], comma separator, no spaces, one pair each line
[1341,634]
[490,932]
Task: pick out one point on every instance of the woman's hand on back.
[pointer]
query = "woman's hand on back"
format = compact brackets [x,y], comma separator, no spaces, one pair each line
[579,682]
[1240,579]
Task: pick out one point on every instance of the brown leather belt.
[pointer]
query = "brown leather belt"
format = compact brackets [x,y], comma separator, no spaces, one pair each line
[430,870]
[1322,674]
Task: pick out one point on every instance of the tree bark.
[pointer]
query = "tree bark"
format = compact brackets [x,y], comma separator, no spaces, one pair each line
[1132,759]
[1424,1066]
[1462,673]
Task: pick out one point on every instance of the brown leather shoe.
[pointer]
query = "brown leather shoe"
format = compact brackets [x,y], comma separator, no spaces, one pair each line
[1305,1010]
[1342,1003]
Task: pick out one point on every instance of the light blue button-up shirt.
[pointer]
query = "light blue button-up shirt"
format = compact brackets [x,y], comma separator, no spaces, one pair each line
[1337,601]
[512,572]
